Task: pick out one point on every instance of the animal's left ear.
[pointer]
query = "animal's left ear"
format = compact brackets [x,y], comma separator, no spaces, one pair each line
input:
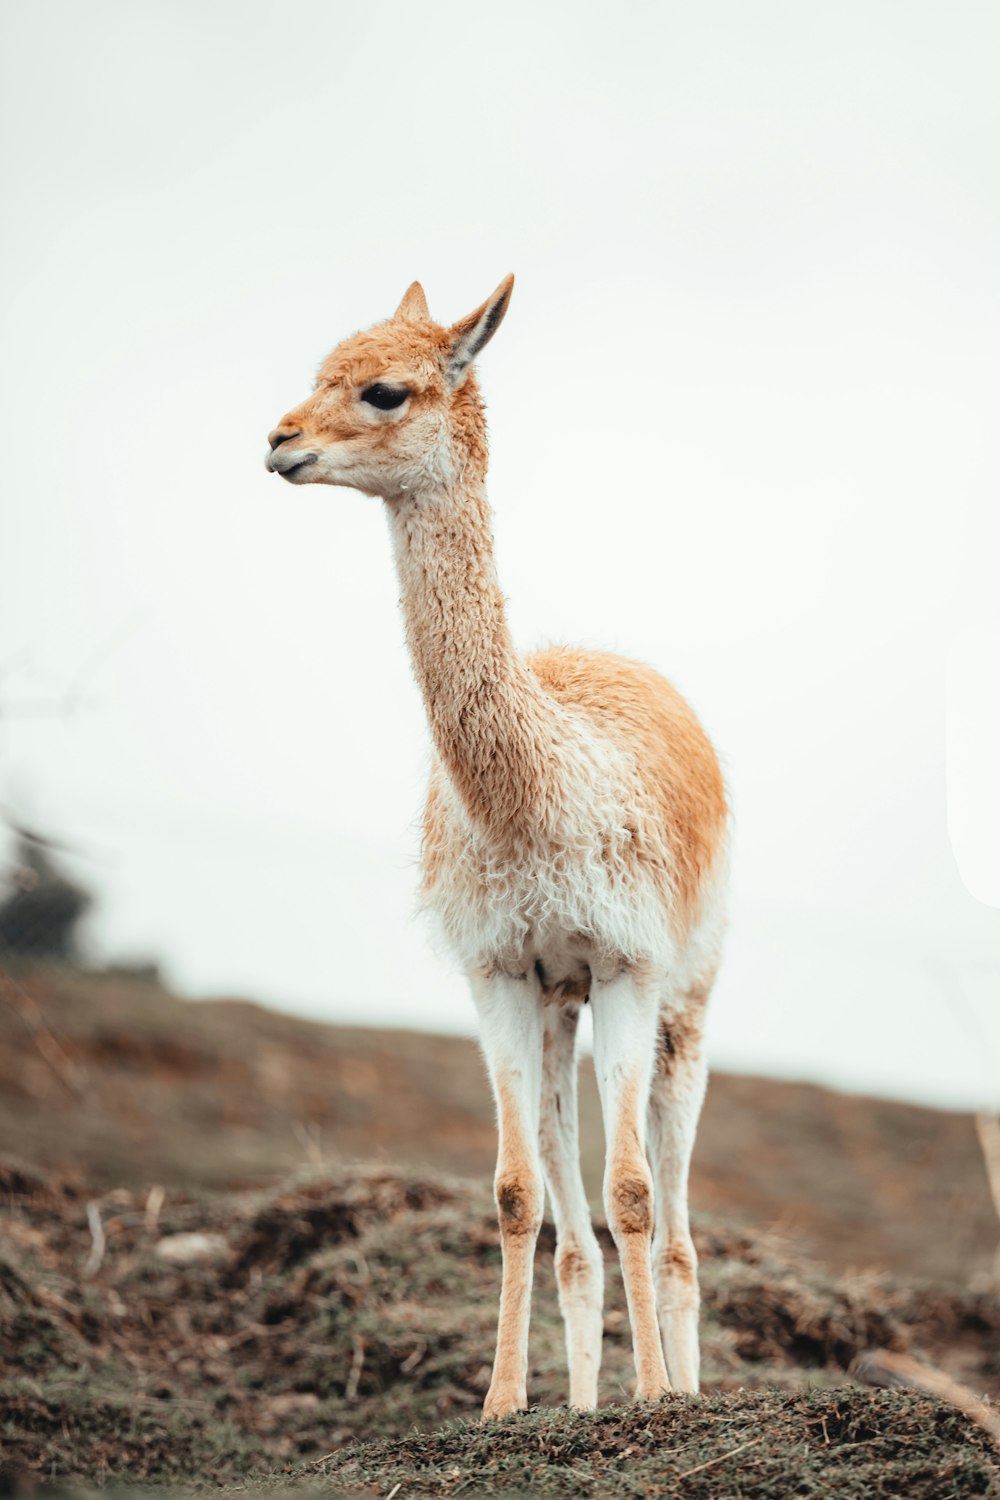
[414,304]
[473,333]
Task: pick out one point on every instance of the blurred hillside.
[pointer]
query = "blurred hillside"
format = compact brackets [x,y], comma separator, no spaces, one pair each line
[113,1078]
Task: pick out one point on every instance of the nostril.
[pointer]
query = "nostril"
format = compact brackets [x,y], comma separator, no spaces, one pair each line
[282,434]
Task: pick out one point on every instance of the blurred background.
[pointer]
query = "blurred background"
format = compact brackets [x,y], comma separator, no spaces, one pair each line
[742,413]
[742,418]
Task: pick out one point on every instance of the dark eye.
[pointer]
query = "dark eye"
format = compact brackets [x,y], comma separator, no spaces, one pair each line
[385,397]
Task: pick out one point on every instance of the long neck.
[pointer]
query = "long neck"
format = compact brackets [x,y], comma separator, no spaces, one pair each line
[490,719]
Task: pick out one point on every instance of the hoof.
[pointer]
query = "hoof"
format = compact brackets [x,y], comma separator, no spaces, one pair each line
[501,1403]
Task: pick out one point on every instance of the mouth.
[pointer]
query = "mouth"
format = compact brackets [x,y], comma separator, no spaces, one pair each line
[294,473]
[290,466]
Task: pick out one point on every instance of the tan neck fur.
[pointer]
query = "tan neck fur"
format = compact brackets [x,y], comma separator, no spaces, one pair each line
[491,721]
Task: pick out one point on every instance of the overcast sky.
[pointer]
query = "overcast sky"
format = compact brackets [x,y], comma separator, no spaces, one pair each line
[743,415]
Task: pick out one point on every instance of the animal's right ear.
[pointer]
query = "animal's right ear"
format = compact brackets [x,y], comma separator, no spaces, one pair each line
[473,333]
[414,304]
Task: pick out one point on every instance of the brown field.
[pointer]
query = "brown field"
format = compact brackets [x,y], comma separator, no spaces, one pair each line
[345,1303]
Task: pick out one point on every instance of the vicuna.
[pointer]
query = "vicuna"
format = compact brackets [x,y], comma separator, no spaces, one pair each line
[574,849]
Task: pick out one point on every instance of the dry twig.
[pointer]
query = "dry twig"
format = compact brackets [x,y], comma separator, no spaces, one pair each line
[154,1202]
[357,1365]
[988,1130]
[97,1238]
[721,1458]
[413,1359]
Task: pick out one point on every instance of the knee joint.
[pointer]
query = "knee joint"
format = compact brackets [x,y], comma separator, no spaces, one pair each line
[629,1200]
[677,1261]
[519,1202]
[577,1266]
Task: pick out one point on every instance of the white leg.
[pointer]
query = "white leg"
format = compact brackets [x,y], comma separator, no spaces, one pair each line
[510,1020]
[625,1017]
[579,1263]
[674,1106]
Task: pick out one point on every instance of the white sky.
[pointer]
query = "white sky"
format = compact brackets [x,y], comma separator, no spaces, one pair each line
[743,412]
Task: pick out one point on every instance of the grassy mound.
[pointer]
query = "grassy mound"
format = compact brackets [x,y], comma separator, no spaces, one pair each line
[361,1305]
[748,1445]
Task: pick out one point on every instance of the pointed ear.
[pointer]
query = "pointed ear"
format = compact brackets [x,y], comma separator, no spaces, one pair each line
[473,333]
[414,304]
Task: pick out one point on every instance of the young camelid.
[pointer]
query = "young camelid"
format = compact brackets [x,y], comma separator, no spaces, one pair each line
[574,849]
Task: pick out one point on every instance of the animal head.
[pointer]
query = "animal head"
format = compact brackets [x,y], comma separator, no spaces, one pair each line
[391,407]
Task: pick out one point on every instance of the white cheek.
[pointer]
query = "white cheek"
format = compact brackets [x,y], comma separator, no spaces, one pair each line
[418,458]
[373,417]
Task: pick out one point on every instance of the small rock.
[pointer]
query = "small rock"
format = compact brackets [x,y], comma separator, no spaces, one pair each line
[271,1411]
[292,1400]
[191,1248]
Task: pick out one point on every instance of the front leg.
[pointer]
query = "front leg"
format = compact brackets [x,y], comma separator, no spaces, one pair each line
[625,1017]
[510,1019]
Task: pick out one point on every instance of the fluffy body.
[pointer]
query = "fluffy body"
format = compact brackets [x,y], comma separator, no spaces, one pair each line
[622,861]
[574,849]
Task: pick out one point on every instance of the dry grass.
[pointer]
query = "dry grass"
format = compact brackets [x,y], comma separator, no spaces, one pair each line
[344,1313]
[361,1306]
[749,1445]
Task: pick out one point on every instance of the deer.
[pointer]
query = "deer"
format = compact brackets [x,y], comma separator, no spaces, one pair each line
[574,850]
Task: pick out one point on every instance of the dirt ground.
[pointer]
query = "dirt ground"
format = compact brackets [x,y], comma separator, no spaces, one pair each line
[360,1308]
[331,1329]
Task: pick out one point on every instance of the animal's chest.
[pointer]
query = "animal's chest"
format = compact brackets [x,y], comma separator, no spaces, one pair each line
[569,903]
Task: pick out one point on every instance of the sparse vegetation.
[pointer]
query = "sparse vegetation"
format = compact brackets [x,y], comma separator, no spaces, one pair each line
[362,1306]
[747,1445]
[319,1331]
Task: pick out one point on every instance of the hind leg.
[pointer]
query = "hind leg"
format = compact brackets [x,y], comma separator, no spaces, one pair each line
[579,1263]
[625,1028]
[674,1106]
